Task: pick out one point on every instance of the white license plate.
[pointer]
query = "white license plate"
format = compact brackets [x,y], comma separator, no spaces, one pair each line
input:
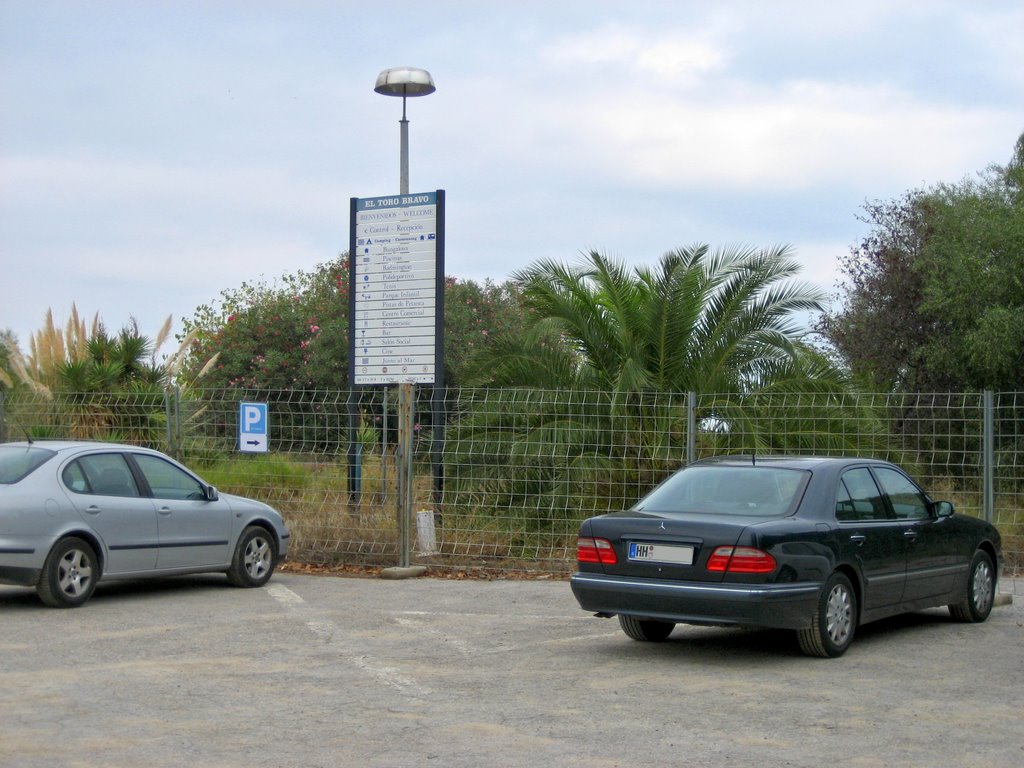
[660,553]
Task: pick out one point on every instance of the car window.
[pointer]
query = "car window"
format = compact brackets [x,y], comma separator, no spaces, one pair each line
[17,462]
[907,500]
[167,481]
[858,497]
[102,474]
[758,491]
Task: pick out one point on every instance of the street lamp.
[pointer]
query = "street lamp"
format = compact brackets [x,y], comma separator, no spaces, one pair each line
[404,82]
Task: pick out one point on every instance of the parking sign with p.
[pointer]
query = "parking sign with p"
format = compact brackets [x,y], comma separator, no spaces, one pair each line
[253,428]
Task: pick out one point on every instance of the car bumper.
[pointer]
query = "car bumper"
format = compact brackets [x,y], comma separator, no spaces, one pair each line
[782,606]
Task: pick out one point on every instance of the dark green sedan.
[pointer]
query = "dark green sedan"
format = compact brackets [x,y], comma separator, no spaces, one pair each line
[816,545]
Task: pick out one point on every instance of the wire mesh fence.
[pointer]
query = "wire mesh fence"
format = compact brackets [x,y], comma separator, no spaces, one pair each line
[517,470]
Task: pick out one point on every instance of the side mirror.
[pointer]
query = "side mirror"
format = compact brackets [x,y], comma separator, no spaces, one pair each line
[943,508]
[211,493]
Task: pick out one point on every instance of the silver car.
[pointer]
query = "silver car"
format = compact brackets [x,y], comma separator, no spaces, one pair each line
[75,513]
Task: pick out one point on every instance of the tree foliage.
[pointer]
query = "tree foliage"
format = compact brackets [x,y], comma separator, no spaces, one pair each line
[8,341]
[932,299]
[293,334]
[477,317]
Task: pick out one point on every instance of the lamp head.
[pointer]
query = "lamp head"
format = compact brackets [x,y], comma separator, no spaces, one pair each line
[404,81]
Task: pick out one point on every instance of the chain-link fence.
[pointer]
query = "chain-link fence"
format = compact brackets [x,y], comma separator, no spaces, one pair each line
[502,477]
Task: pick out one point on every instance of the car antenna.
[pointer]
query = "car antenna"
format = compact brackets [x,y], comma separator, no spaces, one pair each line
[753,459]
[28,436]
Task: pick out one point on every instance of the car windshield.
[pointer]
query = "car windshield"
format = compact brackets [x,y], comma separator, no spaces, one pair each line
[718,490]
[18,461]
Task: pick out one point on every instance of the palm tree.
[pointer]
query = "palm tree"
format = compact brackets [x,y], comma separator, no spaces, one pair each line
[98,385]
[592,401]
[702,321]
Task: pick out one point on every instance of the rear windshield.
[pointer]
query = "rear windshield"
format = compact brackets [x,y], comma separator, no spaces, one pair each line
[757,491]
[17,462]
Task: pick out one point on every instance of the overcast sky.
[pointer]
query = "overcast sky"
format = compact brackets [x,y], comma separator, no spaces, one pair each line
[154,153]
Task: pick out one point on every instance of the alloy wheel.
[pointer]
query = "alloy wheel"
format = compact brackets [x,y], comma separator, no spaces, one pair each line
[982,586]
[839,614]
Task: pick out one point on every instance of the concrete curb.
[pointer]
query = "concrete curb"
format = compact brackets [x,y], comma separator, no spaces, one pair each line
[1003,598]
[408,572]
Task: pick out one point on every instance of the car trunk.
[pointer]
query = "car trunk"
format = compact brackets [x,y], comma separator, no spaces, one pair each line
[659,546]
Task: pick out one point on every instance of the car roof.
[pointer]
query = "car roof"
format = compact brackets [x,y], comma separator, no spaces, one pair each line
[787,462]
[72,445]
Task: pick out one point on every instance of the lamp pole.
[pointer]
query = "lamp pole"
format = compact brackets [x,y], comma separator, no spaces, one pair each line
[405,82]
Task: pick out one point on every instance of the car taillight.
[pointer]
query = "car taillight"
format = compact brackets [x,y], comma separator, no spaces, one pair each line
[740,560]
[595,551]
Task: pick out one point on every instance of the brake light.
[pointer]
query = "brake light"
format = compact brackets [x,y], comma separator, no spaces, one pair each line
[740,560]
[590,550]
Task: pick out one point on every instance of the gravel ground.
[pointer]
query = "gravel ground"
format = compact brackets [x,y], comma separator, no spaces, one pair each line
[328,671]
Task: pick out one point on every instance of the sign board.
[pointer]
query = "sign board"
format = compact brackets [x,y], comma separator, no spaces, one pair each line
[396,280]
[253,427]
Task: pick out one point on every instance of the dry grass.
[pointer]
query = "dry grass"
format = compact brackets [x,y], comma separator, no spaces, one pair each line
[329,530]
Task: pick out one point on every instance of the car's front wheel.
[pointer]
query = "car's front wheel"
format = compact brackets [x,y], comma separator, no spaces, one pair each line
[831,630]
[69,574]
[646,629]
[981,591]
[254,559]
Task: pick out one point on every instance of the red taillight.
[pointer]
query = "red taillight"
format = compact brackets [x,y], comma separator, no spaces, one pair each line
[595,551]
[740,560]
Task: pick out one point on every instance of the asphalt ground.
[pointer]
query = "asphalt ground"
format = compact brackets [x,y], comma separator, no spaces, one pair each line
[326,671]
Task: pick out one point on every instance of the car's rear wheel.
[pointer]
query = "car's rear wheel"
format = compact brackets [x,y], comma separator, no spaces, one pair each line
[69,574]
[646,629]
[255,557]
[835,620]
[981,591]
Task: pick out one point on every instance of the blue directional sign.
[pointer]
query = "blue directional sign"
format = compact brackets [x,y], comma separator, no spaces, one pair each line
[253,428]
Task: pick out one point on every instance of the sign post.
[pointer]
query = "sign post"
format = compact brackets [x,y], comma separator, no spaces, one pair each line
[396,317]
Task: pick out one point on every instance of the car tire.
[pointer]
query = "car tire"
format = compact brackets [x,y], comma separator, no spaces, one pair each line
[69,574]
[981,591]
[254,560]
[835,620]
[648,630]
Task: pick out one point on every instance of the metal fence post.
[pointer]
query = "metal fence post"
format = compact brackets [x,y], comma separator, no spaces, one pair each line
[352,408]
[406,409]
[691,427]
[177,419]
[988,457]
[3,422]
[438,399]
[172,409]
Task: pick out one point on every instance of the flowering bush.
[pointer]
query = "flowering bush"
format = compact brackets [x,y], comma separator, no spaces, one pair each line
[293,335]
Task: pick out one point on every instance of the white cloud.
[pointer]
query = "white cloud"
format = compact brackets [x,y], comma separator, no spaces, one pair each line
[795,135]
[610,53]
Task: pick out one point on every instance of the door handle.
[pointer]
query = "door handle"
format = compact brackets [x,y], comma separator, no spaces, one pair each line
[910,534]
[164,511]
[858,539]
[92,509]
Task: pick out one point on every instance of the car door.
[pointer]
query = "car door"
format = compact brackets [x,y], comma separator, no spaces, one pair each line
[105,494]
[871,538]
[194,532]
[931,550]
